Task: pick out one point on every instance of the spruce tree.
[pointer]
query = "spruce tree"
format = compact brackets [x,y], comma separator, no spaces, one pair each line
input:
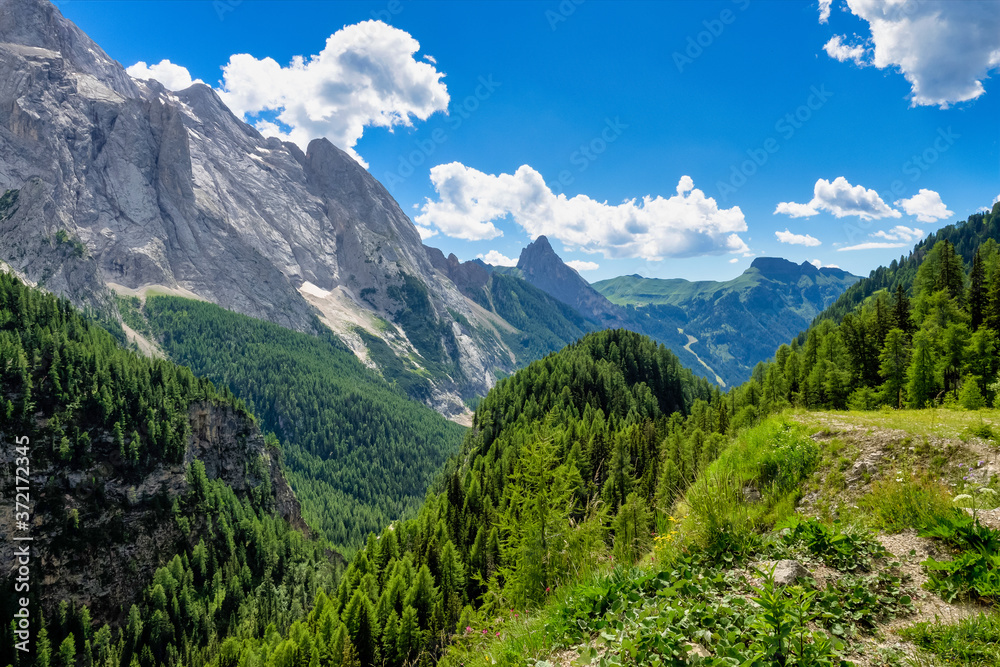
[977,292]
[901,310]
[921,386]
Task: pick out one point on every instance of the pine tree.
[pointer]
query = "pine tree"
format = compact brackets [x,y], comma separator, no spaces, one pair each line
[921,386]
[43,649]
[632,530]
[992,315]
[977,292]
[970,397]
[951,275]
[409,639]
[901,310]
[67,652]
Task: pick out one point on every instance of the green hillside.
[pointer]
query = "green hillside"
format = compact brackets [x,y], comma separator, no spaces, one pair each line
[159,522]
[565,466]
[359,454]
[733,324]
[966,237]
[932,339]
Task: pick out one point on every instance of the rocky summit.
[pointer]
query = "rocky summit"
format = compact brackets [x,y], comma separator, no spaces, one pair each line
[115,185]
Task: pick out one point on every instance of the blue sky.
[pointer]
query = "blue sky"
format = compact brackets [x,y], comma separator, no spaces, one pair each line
[545,117]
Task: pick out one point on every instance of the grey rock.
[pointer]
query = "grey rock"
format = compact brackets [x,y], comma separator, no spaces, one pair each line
[786,572]
[170,189]
[698,650]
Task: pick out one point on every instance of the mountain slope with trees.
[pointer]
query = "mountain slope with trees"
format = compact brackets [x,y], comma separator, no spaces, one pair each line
[358,452]
[568,462]
[921,331]
[159,518]
[735,323]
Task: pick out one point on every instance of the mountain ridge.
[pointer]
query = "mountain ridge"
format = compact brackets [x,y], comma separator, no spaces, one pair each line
[123,186]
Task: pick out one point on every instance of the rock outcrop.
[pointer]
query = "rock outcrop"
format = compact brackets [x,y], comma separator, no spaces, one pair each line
[125,186]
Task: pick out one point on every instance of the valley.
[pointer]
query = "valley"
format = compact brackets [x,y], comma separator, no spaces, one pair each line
[257,412]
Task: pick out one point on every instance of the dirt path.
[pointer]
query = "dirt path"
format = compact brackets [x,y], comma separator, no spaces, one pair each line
[691,341]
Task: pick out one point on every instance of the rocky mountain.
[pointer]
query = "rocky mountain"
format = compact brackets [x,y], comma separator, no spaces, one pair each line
[114,185]
[731,325]
[542,267]
[530,322]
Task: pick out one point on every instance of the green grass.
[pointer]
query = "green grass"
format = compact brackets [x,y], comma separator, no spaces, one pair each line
[908,501]
[640,614]
[971,641]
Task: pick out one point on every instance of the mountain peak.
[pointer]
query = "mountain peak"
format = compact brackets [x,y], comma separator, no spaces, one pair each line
[39,24]
[543,268]
[782,269]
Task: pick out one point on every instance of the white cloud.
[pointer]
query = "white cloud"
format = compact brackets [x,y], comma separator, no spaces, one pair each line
[496,259]
[734,260]
[926,205]
[581,265]
[365,76]
[997,199]
[425,233]
[820,265]
[836,49]
[824,10]
[173,77]
[944,48]
[686,224]
[900,233]
[797,239]
[871,246]
[841,199]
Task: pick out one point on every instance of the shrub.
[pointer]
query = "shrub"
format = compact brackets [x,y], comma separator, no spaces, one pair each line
[970,396]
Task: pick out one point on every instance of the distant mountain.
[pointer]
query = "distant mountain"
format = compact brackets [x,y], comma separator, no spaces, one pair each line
[542,267]
[112,186]
[530,322]
[730,325]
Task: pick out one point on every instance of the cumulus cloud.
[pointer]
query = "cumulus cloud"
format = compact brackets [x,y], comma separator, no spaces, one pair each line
[734,260]
[873,245]
[365,76]
[841,199]
[900,233]
[173,77]
[582,265]
[926,205]
[824,10]
[496,259]
[425,233]
[685,224]
[820,265]
[838,50]
[797,239]
[944,48]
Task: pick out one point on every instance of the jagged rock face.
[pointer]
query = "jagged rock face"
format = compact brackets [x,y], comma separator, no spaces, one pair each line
[126,528]
[543,268]
[155,188]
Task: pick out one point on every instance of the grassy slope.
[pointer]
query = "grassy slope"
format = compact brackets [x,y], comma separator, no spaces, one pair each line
[880,475]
